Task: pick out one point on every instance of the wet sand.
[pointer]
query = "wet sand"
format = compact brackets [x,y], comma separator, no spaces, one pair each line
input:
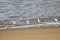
[31,34]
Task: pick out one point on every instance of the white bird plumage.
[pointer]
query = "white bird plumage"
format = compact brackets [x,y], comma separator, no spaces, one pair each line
[56,19]
[27,22]
[14,22]
[39,20]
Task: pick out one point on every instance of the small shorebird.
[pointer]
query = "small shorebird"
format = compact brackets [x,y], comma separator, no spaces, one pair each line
[39,20]
[27,22]
[14,22]
[56,19]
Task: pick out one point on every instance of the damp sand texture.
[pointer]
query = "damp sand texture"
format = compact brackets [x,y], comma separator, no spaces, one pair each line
[31,34]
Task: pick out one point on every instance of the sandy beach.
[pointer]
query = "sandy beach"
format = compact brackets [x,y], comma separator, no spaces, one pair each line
[31,34]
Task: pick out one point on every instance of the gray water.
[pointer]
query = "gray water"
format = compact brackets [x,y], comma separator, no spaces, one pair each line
[28,9]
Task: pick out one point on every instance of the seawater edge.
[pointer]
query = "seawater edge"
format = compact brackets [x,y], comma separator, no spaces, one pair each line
[33,26]
[31,23]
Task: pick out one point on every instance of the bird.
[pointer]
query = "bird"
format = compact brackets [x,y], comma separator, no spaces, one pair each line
[27,22]
[39,20]
[56,19]
[14,22]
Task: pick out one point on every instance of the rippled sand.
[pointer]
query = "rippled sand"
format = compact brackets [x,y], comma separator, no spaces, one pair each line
[31,34]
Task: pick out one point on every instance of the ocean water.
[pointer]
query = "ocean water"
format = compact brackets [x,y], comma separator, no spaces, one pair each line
[28,9]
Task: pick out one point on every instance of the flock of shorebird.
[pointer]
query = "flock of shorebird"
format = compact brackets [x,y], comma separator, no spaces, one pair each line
[34,25]
[28,22]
